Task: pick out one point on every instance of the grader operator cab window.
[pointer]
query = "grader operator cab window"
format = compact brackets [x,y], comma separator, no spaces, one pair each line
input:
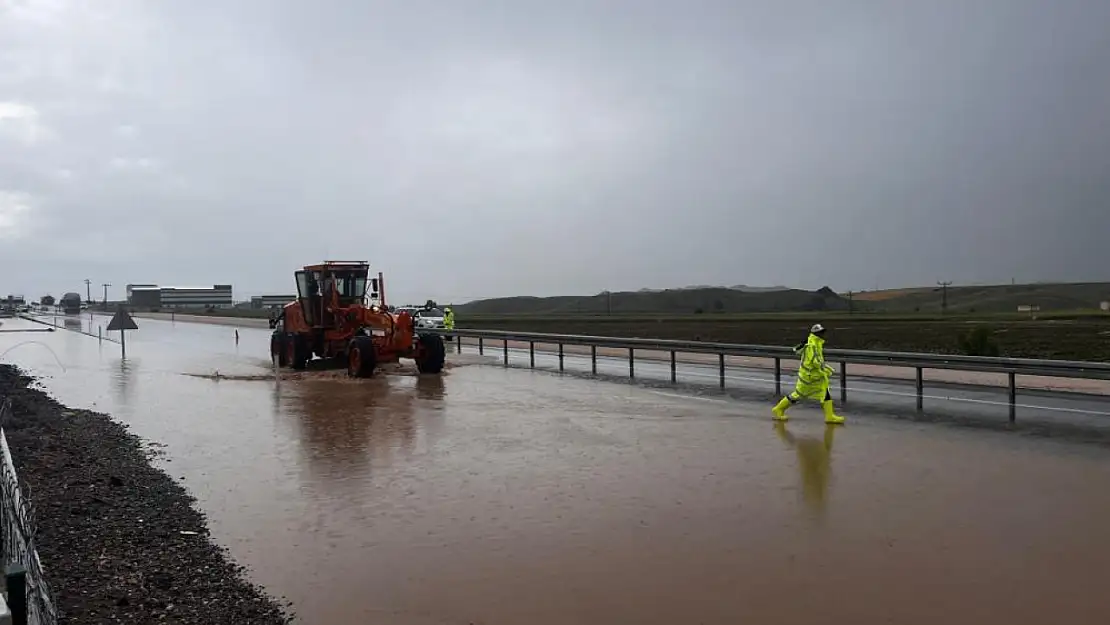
[351,287]
[308,291]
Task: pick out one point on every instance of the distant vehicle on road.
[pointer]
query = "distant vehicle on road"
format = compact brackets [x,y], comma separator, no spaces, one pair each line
[71,304]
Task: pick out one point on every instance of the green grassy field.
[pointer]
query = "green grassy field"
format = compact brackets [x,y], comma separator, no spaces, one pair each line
[1070,337]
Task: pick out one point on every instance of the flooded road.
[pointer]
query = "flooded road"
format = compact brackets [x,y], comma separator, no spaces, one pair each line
[493,495]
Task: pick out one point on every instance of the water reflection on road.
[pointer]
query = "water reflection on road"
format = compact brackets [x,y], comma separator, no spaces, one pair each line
[493,495]
[814,464]
[344,427]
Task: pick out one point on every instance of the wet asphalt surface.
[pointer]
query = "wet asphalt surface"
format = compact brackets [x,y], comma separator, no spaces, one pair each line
[504,495]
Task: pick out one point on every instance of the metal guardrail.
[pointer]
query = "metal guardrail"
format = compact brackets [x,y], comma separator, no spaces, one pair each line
[1013,367]
[28,594]
[79,330]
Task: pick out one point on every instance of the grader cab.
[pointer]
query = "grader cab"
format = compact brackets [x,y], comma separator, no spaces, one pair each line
[340,315]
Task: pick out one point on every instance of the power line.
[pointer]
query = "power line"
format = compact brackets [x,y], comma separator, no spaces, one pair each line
[943,294]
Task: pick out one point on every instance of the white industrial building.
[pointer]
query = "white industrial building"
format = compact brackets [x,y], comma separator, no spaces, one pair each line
[216,296]
[144,295]
[139,287]
[271,301]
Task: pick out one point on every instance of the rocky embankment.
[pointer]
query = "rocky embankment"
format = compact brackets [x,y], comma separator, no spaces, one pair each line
[119,539]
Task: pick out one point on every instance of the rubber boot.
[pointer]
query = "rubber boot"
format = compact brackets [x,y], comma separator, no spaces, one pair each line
[830,416]
[779,411]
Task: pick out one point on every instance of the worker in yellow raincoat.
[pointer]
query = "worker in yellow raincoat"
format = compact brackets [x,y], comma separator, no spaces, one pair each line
[448,323]
[813,378]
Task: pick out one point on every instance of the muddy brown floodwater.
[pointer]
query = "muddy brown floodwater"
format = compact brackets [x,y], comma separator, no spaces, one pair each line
[493,495]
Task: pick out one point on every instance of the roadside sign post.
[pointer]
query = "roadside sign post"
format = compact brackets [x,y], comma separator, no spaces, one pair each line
[121,321]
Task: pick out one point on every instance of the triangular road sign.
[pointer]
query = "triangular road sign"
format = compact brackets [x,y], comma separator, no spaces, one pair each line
[122,321]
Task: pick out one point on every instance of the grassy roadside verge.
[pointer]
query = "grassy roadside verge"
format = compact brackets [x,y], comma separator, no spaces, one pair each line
[1067,335]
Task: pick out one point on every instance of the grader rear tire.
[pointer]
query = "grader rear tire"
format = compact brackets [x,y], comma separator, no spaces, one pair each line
[297,350]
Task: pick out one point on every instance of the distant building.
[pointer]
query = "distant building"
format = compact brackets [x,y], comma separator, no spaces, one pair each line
[132,287]
[218,296]
[271,301]
[144,295]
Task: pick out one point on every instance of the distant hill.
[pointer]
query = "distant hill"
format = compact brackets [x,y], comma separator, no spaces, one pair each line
[742,299]
[701,287]
[667,301]
[993,298]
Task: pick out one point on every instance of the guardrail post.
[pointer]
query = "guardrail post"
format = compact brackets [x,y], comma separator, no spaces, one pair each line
[532,354]
[15,578]
[631,363]
[778,375]
[458,344]
[505,350]
[560,356]
[481,347]
[1013,396]
[843,382]
[920,391]
[674,368]
[593,359]
[721,368]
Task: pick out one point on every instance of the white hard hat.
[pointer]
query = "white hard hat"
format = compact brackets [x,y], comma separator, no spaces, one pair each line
[817,328]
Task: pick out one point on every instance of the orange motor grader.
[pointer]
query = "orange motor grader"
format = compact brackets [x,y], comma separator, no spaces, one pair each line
[336,317]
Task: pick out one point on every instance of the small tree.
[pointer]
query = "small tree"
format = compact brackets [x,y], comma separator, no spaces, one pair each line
[979,341]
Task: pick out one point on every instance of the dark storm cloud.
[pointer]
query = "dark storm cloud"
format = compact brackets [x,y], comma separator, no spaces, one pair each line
[471,149]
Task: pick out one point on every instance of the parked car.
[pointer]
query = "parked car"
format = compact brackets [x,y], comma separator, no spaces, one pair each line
[429,318]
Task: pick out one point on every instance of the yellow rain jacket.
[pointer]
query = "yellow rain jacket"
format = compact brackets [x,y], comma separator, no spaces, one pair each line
[813,373]
[449,319]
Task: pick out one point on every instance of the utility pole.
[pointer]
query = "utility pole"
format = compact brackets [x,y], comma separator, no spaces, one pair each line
[851,309]
[943,295]
[608,302]
[88,291]
[106,285]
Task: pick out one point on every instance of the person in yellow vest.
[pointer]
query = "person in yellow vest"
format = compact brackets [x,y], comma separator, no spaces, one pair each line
[813,378]
[448,318]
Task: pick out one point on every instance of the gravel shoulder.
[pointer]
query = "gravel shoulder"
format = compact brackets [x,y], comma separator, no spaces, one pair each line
[119,539]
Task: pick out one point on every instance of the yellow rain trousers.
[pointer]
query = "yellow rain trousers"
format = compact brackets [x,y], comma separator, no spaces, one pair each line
[813,373]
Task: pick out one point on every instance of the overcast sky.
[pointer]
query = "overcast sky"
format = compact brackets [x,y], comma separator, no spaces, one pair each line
[472,149]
